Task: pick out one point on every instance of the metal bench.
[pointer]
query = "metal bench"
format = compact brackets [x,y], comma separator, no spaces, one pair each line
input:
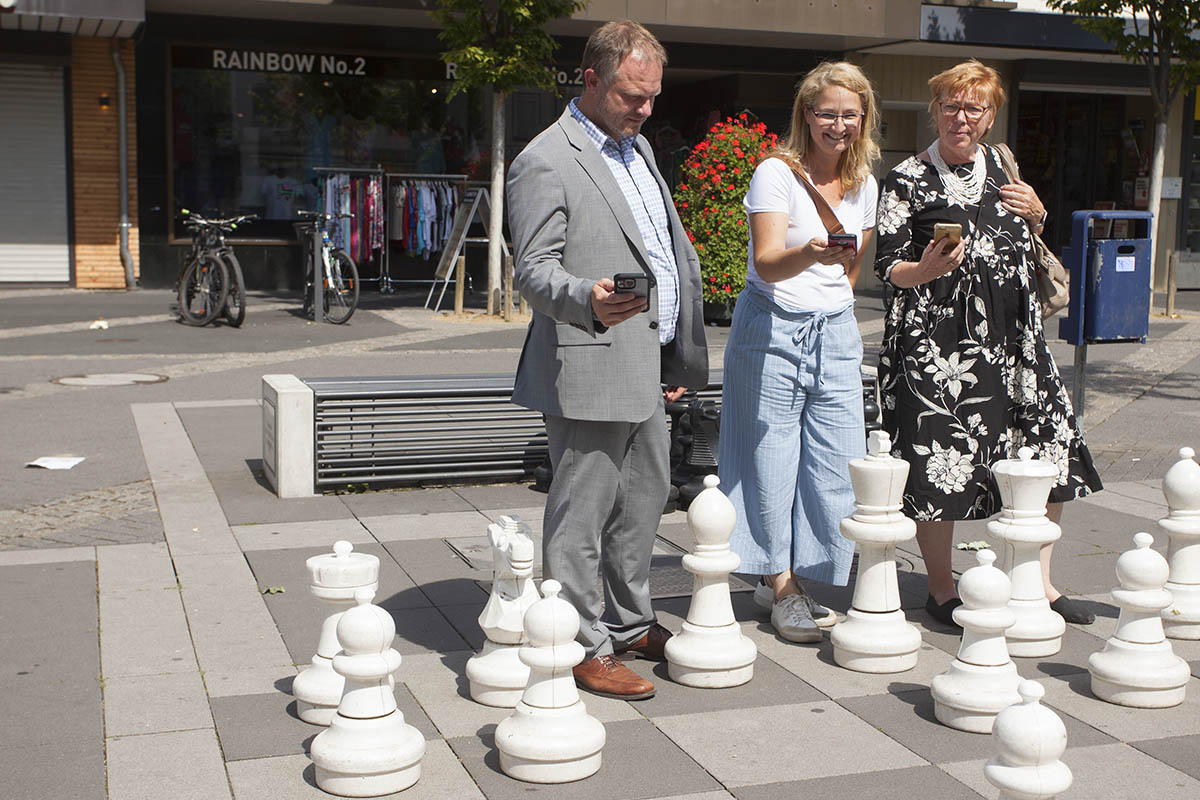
[329,433]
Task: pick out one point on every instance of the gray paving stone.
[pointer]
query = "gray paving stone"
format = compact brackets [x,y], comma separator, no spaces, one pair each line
[440,525]
[770,684]
[742,749]
[1180,752]
[1073,695]
[1103,772]
[134,568]
[908,717]
[501,497]
[638,762]
[405,501]
[911,782]
[294,778]
[263,725]
[144,633]
[182,765]
[35,769]
[465,620]
[46,555]
[155,704]
[444,577]
[298,615]
[439,682]
[287,535]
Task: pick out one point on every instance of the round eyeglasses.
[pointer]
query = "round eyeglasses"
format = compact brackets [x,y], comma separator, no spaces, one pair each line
[831,118]
[970,110]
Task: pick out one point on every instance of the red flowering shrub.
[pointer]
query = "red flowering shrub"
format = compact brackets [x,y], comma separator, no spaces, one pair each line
[713,183]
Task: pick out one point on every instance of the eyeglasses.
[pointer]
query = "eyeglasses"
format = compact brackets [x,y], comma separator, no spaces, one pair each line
[830,118]
[972,111]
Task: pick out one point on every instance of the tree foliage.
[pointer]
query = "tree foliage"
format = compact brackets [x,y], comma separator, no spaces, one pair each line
[1159,34]
[500,43]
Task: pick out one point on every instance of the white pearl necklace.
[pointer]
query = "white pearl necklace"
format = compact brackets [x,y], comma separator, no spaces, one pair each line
[964,191]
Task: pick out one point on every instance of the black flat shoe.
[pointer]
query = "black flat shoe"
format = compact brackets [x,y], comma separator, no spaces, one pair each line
[943,613]
[1072,611]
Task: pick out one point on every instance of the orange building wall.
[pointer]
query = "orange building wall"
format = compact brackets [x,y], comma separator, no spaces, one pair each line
[94,171]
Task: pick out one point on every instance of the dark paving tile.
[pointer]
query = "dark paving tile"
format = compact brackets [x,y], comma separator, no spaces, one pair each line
[425,630]
[911,782]
[770,686]
[465,619]
[298,614]
[501,497]
[54,770]
[405,501]
[444,577]
[638,762]
[247,500]
[1180,752]
[907,717]
[50,696]
[264,725]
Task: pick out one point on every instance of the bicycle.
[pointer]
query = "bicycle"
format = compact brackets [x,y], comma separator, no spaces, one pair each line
[211,283]
[338,270]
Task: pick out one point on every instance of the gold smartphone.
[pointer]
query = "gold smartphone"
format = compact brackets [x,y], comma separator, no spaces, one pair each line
[947,230]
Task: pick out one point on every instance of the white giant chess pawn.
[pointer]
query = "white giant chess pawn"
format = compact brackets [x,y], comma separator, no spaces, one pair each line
[1181,485]
[875,636]
[982,681]
[368,749]
[711,652]
[496,673]
[1030,739]
[333,577]
[1024,528]
[1137,666]
[550,737]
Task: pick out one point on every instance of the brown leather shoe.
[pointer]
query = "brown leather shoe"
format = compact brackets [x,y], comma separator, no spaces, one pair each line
[651,645]
[607,677]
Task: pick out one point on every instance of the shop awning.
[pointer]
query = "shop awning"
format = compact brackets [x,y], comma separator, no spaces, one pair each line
[104,18]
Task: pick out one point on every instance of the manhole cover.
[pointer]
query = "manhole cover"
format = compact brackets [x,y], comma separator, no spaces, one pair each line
[109,379]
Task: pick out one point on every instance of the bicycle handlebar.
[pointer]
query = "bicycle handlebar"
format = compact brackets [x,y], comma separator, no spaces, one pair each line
[195,220]
[313,216]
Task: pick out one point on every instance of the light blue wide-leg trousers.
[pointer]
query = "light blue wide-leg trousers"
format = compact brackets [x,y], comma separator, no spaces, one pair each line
[791,421]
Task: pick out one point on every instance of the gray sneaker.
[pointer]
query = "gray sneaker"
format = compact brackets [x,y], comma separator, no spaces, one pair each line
[793,621]
[764,597]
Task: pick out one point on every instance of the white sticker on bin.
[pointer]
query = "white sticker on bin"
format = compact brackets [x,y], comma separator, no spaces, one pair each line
[1125,263]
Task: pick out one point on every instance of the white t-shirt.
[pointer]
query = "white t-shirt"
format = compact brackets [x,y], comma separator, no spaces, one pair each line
[821,287]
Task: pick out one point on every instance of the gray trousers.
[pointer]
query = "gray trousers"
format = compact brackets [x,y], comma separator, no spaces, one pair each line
[611,481]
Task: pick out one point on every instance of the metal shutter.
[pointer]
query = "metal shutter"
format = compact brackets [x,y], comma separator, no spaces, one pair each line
[33,176]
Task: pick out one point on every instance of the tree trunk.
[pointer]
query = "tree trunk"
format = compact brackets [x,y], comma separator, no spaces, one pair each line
[496,223]
[1156,176]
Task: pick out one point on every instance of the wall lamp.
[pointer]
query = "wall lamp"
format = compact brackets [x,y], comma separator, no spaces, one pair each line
[104,100]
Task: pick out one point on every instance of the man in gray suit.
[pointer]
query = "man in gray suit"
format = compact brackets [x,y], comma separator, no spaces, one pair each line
[586,201]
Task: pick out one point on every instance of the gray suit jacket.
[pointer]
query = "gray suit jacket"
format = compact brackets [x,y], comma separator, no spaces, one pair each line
[571,226]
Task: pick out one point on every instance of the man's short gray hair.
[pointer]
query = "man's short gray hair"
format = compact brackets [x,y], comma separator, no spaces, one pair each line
[613,42]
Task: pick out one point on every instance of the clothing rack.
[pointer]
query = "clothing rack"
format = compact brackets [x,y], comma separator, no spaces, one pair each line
[377,172]
[386,282]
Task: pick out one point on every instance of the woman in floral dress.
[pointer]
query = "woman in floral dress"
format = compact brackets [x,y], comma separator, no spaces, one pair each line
[965,373]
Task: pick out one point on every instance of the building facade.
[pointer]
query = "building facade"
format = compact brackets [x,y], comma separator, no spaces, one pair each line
[252,106]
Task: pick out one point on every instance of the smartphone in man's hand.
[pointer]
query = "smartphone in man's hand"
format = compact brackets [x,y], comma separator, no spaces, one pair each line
[634,283]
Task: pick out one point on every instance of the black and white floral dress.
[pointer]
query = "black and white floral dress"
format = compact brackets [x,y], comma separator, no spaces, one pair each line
[965,374]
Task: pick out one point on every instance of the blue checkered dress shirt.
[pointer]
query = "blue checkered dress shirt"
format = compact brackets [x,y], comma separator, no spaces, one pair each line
[646,202]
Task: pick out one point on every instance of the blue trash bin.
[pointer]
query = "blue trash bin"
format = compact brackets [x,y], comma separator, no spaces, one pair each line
[1110,280]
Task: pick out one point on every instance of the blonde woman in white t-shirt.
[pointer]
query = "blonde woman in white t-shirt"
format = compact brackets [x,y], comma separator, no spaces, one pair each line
[792,411]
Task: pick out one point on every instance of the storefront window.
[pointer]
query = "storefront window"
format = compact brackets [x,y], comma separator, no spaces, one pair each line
[251,129]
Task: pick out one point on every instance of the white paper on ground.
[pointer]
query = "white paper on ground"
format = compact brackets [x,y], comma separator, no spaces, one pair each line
[55,462]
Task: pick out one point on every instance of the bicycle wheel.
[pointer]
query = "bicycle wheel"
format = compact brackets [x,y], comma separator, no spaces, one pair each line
[341,288]
[202,290]
[234,309]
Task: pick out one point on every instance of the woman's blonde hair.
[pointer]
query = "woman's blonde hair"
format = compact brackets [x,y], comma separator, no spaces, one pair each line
[969,77]
[860,157]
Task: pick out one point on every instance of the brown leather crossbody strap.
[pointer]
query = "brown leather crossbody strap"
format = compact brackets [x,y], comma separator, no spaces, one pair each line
[824,211]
